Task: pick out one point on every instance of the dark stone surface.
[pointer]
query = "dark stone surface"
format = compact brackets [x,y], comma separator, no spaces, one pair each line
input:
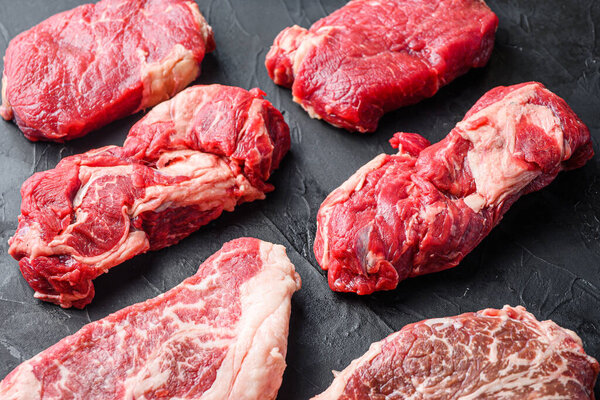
[545,255]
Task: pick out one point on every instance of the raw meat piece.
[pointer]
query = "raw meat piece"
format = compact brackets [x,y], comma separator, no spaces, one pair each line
[374,56]
[83,68]
[490,354]
[424,209]
[203,152]
[221,334]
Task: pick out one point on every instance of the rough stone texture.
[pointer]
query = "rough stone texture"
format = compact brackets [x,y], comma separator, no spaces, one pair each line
[544,255]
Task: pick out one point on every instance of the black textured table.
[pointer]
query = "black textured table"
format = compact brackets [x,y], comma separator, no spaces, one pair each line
[545,254]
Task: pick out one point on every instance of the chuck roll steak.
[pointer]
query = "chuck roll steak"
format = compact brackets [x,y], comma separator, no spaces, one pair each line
[83,68]
[189,159]
[220,334]
[490,354]
[425,208]
[374,56]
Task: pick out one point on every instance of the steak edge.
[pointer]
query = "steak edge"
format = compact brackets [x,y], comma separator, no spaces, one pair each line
[220,334]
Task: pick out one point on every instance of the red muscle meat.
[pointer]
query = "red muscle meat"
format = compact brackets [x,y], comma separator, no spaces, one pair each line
[188,160]
[424,209]
[490,354]
[373,56]
[83,68]
[218,335]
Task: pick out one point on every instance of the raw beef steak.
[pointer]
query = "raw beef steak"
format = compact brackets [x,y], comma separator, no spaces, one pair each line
[422,210]
[221,334]
[188,160]
[490,354]
[373,56]
[83,68]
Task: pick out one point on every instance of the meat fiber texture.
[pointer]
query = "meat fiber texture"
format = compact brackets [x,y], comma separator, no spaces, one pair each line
[203,152]
[221,334]
[373,56]
[83,68]
[491,354]
[425,208]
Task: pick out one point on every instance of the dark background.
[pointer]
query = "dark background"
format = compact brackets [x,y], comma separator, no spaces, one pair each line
[545,255]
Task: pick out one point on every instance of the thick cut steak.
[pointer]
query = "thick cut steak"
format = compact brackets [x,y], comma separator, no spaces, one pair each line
[488,355]
[373,56]
[188,160]
[83,68]
[221,334]
[422,210]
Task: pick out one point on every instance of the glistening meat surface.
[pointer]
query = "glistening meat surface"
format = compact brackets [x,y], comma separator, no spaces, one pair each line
[221,334]
[83,68]
[424,209]
[373,56]
[488,355]
[203,152]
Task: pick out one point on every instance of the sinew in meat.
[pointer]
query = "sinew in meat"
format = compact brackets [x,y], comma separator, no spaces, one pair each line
[425,208]
[189,159]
